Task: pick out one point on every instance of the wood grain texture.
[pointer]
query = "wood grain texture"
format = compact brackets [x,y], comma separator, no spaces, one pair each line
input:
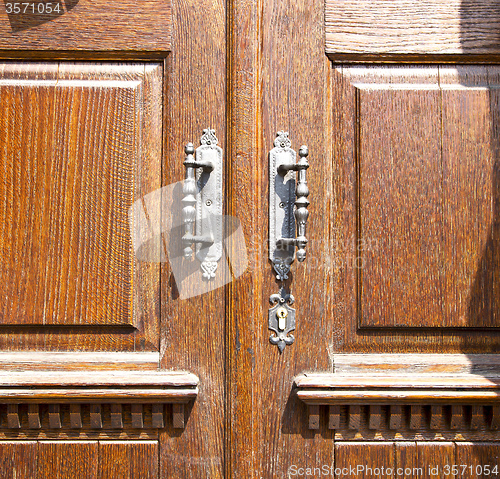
[84,25]
[128,460]
[279,75]
[406,27]
[477,456]
[54,416]
[400,217]
[363,458]
[66,361]
[449,269]
[193,330]
[409,365]
[70,208]
[470,196]
[19,459]
[61,460]
[424,460]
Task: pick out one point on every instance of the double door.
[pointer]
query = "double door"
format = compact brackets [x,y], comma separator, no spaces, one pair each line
[120,359]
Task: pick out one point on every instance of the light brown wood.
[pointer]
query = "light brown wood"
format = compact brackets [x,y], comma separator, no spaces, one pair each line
[85,26]
[278,79]
[476,456]
[65,361]
[60,460]
[193,330]
[19,458]
[97,386]
[128,460]
[404,27]
[416,382]
[248,69]
[472,289]
[419,260]
[421,365]
[96,379]
[363,458]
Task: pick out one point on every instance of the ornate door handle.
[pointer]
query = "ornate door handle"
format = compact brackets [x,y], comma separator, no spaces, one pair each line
[288,215]
[287,227]
[202,203]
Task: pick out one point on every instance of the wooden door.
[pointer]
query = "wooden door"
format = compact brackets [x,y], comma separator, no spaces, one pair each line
[108,370]
[97,100]
[394,368]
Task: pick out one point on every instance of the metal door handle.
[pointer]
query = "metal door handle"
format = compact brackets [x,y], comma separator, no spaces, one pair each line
[202,203]
[287,227]
[288,215]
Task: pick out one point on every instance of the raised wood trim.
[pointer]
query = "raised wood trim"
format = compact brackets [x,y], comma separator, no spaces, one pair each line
[448,365]
[97,386]
[103,395]
[53,361]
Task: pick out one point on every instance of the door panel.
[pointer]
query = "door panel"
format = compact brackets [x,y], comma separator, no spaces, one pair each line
[76,25]
[423,155]
[79,146]
[404,27]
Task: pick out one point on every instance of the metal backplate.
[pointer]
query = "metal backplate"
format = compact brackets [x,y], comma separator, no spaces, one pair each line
[209,204]
[281,205]
[282,319]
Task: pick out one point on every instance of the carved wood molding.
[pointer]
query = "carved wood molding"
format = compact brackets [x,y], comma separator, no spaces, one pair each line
[94,399]
[412,406]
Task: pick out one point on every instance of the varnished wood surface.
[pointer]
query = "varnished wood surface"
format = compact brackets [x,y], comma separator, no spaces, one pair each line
[263,71]
[411,459]
[415,381]
[128,460]
[66,361]
[419,207]
[104,379]
[65,219]
[193,330]
[279,75]
[83,460]
[409,365]
[425,259]
[399,396]
[402,26]
[84,25]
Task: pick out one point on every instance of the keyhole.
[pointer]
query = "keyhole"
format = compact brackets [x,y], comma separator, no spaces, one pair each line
[281,313]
